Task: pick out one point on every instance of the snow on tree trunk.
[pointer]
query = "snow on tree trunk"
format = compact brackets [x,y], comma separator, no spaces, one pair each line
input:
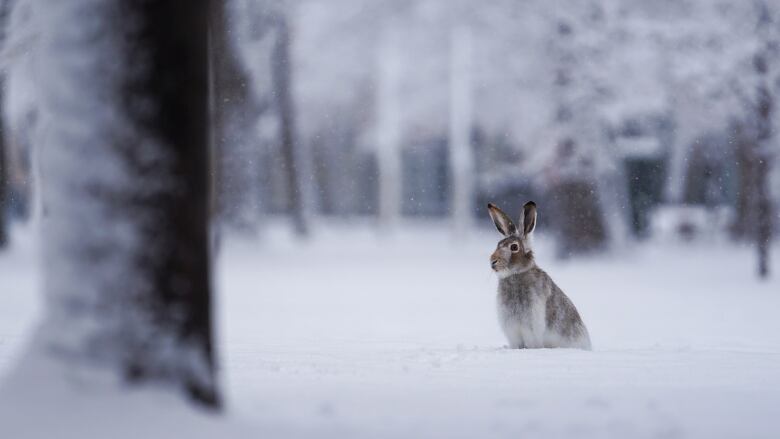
[237,149]
[4,172]
[764,218]
[388,130]
[761,162]
[461,159]
[759,156]
[573,174]
[3,192]
[294,165]
[123,102]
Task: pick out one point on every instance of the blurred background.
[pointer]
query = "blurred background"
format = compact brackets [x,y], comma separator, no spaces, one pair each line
[624,120]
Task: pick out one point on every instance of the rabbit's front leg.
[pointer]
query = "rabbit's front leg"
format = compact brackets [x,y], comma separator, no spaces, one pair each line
[534,325]
[514,334]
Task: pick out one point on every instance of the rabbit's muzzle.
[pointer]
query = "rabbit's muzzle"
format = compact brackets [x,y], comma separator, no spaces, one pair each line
[497,263]
[499,260]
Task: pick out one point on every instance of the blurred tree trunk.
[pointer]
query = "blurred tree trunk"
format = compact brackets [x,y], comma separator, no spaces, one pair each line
[753,220]
[3,186]
[388,130]
[291,155]
[461,155]
[234,113]
[173,38]
[760,166]
[755,141]
[4,171]
[580,220]
[127,264]
[743,226]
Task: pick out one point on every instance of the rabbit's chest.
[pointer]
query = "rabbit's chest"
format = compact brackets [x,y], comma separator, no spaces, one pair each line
[521,314]
[522,324]
[517,298]
[517,310]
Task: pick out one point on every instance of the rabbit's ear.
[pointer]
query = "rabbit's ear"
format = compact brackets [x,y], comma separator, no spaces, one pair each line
[504,225]
[529,218]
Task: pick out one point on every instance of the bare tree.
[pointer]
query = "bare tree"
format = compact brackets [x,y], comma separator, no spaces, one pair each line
[765,111]
[461,122]
[235,111]
[125,166]
[388,130]
[760,165]
[573,175]
[291,154]
[4,172]
[755,140]
[3,191]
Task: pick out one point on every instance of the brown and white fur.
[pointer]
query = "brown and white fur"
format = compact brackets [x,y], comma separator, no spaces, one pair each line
[532,311]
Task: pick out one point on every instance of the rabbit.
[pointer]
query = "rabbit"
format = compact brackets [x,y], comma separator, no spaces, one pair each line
[532,311]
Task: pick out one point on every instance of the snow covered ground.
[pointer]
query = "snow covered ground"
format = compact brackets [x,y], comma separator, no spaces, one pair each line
[361,335]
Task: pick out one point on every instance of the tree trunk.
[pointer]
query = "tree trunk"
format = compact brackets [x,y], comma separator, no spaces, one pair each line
[761,161]
[388,131]
[579,220]
[125,163]
[764,115]
[291,157]
[742,227]
[234,113]
[461,157]
[763,218]
[3,186]
[4,172]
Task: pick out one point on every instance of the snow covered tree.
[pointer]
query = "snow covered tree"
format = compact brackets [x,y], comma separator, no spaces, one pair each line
[758,154]
[574,171]
[4,174]
[3,192]
[125,162]
[293,159]
[235,111]
[460,125]
[388,128]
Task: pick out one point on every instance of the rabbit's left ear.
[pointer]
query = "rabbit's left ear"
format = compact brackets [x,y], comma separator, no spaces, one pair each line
[529,218]
[504,225]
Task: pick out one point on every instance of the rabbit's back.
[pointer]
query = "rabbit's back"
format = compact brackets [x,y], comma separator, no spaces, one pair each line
[535,313]
[564,324]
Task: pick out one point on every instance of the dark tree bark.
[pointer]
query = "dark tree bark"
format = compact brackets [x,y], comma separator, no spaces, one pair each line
[759,155]
[760,164]
[3,186]
[282,82]
[742,227]
[755,140]
[172,37]
[579,222]
[125,171]
[578,216]
[753,220]
[4,178]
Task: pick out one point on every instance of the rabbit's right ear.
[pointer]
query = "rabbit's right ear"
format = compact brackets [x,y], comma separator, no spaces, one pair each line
[504,225]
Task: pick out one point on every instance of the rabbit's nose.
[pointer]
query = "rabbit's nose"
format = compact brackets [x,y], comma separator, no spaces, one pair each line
[493,263]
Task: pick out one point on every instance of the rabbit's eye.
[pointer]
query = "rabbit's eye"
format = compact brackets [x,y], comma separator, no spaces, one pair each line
[514,248]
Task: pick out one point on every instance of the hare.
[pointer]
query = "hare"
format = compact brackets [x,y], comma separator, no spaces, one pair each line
[532,311]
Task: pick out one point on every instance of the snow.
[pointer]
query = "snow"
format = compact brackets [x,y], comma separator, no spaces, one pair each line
[359,334]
